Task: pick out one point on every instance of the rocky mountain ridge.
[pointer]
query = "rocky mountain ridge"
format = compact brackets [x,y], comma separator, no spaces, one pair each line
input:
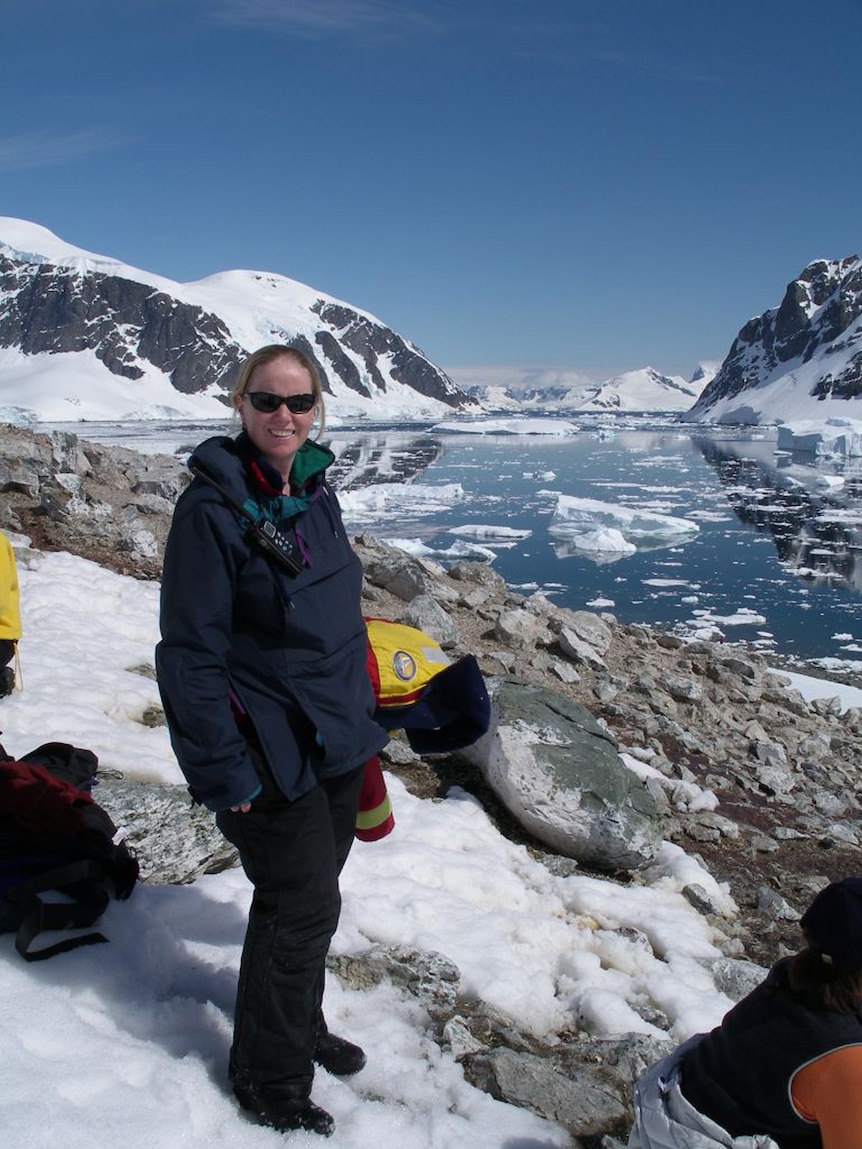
[644,390]
[807,348]
[188,339]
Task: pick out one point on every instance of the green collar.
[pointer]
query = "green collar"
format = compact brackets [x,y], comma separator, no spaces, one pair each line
[310,460]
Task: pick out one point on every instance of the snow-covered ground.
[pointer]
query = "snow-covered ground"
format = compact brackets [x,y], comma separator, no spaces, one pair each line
[126,1044]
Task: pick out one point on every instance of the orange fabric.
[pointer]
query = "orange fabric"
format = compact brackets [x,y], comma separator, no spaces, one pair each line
[829,1091]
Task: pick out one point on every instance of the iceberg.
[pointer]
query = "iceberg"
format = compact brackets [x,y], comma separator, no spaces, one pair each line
[396,500]
[491,535]
[827,439]
[595,527]
[557,428]
[457,552]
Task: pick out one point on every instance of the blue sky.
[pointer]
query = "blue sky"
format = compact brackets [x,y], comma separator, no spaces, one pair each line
[526,183]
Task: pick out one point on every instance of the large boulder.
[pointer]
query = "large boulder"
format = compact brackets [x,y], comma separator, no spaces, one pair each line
[558,773]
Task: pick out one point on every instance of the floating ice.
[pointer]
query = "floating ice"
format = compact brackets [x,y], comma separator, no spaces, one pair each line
[559,428]
[609,528]
[493,536]
[833,438]
[412,499]
[459,551]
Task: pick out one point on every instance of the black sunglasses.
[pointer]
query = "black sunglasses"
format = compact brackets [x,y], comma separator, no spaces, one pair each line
[266,401]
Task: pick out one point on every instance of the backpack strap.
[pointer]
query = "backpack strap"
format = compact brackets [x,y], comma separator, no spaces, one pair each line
[82,881]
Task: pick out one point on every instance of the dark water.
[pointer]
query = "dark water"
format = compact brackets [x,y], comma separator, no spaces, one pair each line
[776,561]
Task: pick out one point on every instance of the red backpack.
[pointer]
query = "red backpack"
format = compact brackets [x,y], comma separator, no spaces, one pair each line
[60,863]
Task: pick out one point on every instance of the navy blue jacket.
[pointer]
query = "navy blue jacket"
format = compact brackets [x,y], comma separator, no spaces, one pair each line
[290,648]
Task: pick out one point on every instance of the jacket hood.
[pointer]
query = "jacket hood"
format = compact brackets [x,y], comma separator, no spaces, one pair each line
[228,460]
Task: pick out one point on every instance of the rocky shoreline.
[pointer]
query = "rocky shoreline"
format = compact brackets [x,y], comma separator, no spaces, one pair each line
[699,717]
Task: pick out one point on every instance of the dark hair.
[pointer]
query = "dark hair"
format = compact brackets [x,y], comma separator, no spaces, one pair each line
[839,990]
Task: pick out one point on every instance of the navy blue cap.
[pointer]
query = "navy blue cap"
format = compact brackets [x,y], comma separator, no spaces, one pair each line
[452,712]
[833,923]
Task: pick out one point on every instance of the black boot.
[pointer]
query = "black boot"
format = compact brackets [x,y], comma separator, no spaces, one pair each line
[284,1108]
[336,1054]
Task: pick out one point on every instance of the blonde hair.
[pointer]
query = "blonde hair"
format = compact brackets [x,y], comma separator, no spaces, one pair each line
[266,355]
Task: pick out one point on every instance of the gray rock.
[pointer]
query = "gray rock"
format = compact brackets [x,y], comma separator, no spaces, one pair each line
[173,840]
[586,1103]
[430,977]
[426,613]
[736,977]
[576,648]
[558,772]
[519,628]
[774,906]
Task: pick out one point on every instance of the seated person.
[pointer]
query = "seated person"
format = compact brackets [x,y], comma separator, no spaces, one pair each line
[784,1068]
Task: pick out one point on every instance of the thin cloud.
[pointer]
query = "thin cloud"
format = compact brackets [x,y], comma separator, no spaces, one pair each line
[324,17]
[50,148]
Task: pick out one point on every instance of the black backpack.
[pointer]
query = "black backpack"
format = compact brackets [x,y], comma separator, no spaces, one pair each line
[55,840]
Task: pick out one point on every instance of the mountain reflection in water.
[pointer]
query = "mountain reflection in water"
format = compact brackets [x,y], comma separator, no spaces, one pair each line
[815,524]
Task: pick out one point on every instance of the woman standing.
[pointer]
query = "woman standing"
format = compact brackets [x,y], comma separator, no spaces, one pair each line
[262,671]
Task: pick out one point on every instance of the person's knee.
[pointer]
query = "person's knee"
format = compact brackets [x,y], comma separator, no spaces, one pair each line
[303,934]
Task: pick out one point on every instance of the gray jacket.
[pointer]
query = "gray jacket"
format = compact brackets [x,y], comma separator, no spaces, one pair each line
[665,1120]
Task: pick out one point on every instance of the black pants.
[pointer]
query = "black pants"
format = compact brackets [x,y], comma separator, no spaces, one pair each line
[293,853]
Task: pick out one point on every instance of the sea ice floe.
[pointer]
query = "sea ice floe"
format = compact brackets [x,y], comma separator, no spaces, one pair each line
[597,527]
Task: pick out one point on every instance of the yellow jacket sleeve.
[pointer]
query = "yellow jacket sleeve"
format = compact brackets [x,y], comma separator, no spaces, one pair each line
[10,609]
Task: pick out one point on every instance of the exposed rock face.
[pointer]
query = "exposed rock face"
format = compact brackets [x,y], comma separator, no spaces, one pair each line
[174,841]
[47,308]
[377,344]
[133,327]
[110,504]
[818,320]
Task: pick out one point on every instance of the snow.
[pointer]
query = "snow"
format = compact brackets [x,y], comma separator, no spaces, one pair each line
[784,396]
[813,688]
[642,390]
[70,386]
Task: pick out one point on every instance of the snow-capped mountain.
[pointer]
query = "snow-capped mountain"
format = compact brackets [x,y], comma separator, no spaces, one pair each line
[644,390]
[84,336]
[799,361]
